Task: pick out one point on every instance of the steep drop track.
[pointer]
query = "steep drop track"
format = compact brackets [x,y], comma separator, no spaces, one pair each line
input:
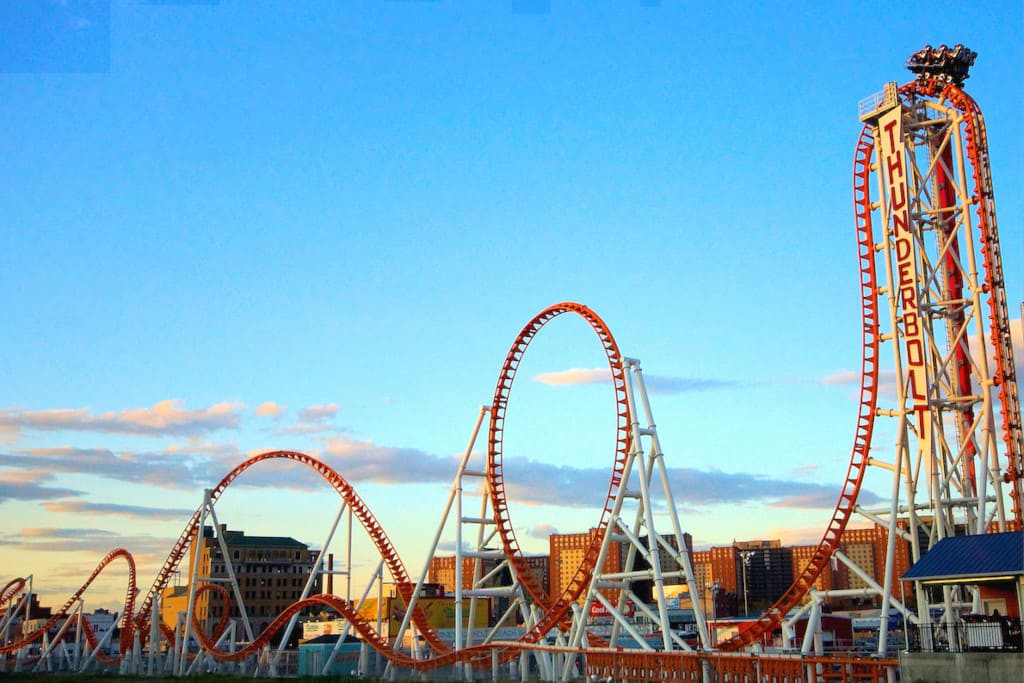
[1005,378]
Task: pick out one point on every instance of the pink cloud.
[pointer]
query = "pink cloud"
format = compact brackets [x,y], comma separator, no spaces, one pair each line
[842,377]
[307,428]
[656,384]
[887,378]
[541,531]
[574,376]
[64,533]
[367,461]
[79,507]
[318,413]
[162,419]
[270,409]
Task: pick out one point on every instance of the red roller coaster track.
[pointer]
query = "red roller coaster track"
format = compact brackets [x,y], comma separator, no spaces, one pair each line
[560,607]
[557,608]
[359,509]
[977,151]
[554,616]
[65,611]
[865,418]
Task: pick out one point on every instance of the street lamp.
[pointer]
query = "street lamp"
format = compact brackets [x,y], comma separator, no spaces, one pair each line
[714,588]
[745,556]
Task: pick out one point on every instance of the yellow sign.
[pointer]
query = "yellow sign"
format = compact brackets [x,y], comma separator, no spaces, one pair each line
[440,612]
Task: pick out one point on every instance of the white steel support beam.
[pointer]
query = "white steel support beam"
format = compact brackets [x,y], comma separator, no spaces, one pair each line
[455,494]
[315,571]
[636,527]
[939,272]
[196,550]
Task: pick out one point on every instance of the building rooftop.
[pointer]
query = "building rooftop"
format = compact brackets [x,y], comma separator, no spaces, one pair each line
[265,541]
[238,539]
[979,556]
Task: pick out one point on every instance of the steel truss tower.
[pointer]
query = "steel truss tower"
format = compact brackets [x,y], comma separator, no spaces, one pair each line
[937,374]
[926,220]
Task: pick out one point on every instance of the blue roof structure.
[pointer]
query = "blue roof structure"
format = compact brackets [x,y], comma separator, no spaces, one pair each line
[961,559]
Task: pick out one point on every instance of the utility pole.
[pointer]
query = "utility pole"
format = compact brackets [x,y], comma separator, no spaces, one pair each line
[714,588]
[745,556]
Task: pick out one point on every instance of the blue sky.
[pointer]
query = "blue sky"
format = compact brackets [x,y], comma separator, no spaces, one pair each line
[235,227]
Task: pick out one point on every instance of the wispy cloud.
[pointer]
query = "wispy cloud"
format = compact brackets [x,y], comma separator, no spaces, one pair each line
[367,461]
[543,484]
[656,384]
[57,532]
[449,546]
[659,384]
[887,378]
[314,419]
[80,507]
[541,531]
[808,500]
[841,377]
[318,413]
[166,418]
[197,464]
[270,409]
[575,376]
[146,549]
[191,466]
[26,486]
[308,428]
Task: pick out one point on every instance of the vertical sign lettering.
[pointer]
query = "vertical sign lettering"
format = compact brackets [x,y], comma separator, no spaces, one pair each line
[894,167]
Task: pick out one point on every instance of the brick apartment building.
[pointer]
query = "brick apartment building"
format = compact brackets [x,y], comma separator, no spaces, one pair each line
[771,569]
[271,572]
[442,571]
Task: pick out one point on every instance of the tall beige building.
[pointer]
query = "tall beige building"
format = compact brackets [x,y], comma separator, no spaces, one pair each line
[567,552]
[271,573]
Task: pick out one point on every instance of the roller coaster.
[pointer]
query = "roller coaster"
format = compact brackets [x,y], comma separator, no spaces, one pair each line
[937,376]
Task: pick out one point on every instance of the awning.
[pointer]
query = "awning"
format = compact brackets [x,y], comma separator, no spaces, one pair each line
[972,559]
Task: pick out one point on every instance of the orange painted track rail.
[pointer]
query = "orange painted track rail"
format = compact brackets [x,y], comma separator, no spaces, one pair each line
[844,509]
[620,665]
[359,509]
[11,590]
[976,143]
[559,607]
[64,612]
[977,151]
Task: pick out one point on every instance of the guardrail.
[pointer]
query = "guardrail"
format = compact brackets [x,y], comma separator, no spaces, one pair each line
[998,634]
[718,667]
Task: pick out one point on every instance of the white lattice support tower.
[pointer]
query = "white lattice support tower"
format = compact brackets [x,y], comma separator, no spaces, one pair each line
[484,586]
[633,526]
[22,605]
[924,189]
[319,570]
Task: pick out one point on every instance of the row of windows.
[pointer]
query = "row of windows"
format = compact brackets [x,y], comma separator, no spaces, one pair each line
[270,595]
[262,555]
[220,569]
[257,611]
[280,583]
